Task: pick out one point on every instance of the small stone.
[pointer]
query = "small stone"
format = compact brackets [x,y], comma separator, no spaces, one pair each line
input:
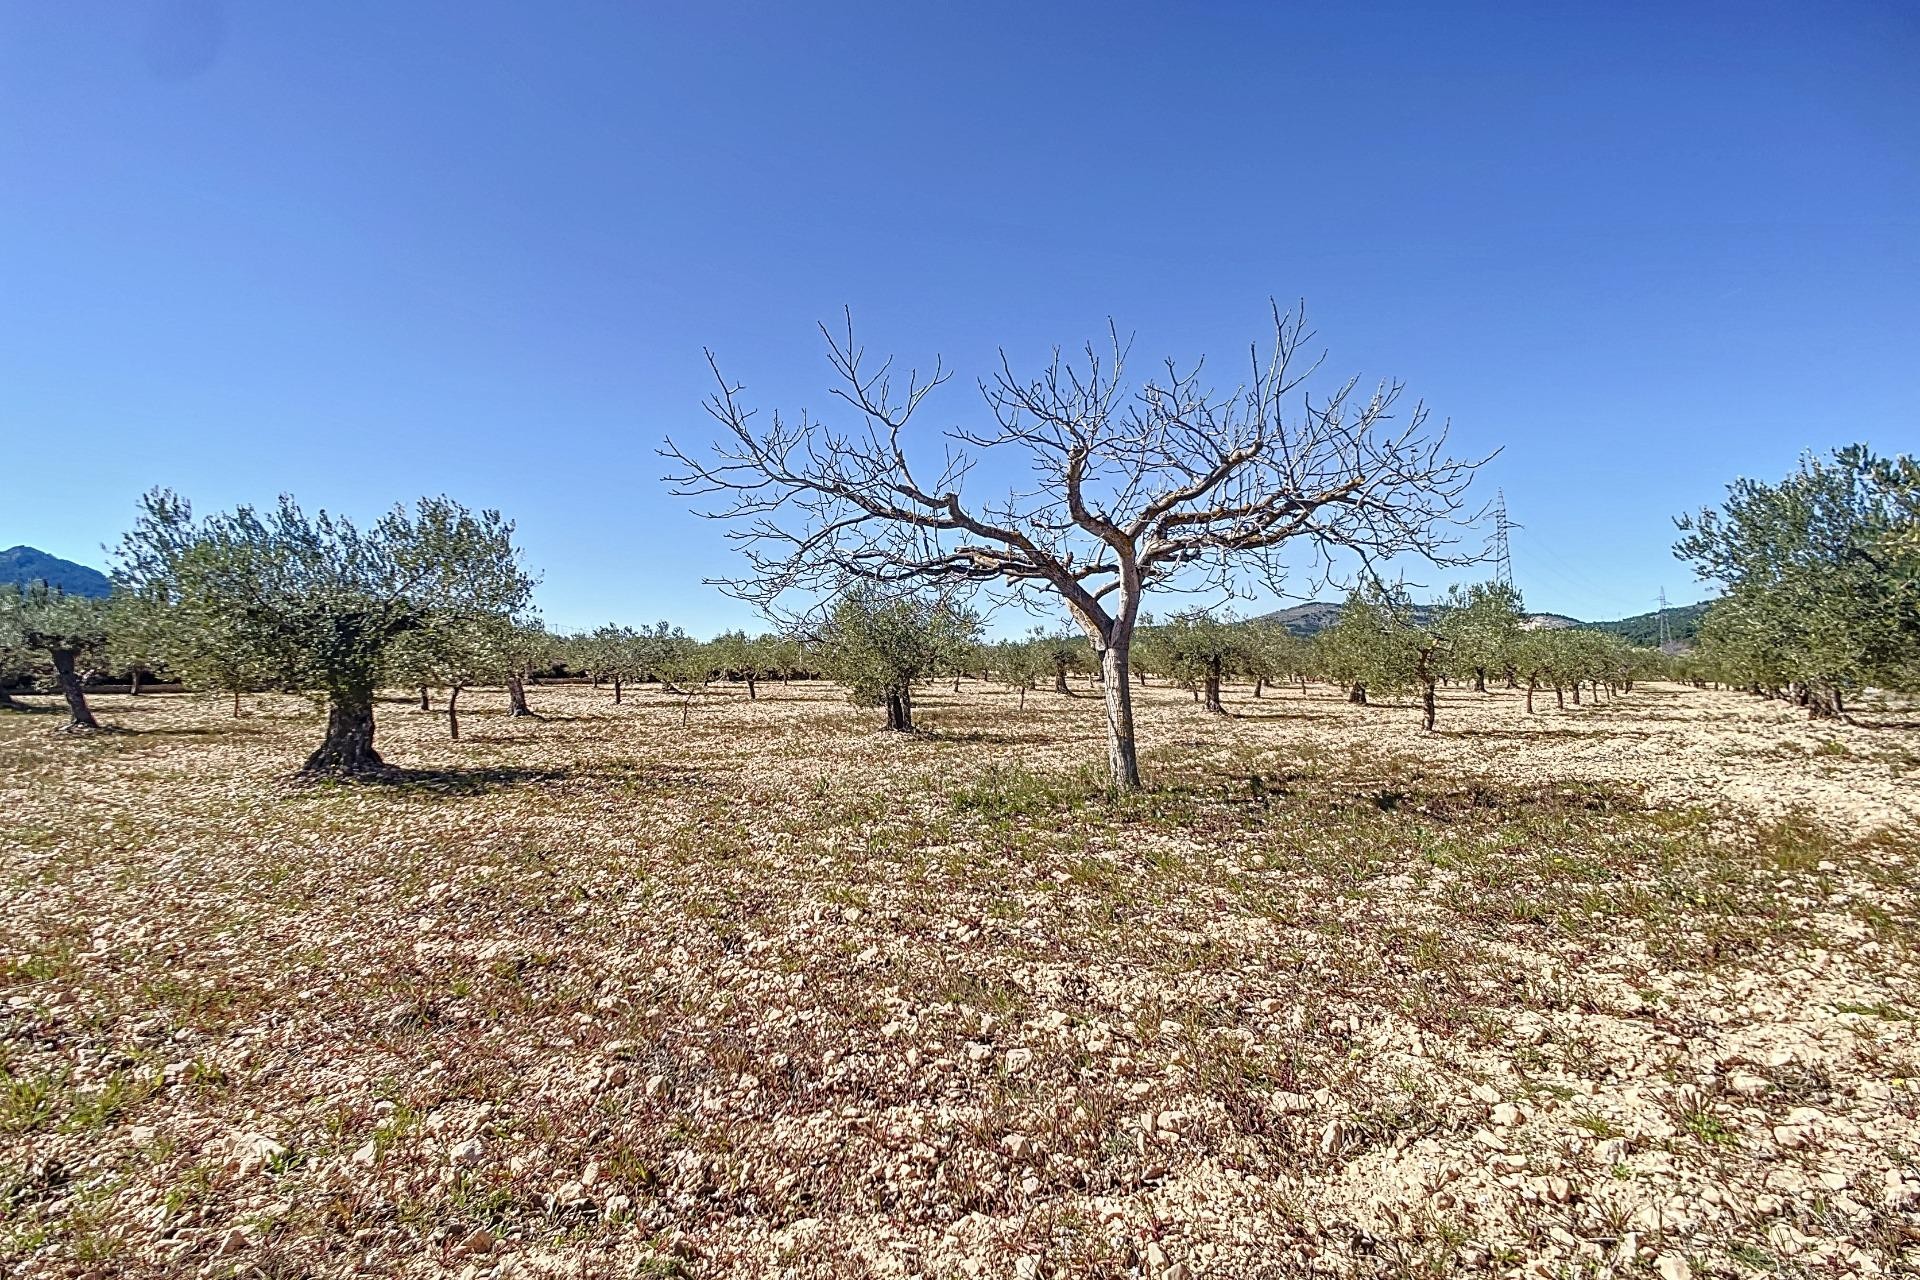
[469,1152]
[480,1241]
[1508,1115]
[1745,1084]
[366,1154]
[1019,1060]
[1672,1266]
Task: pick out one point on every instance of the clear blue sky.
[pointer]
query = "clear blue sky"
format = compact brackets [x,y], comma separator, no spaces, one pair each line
[364,251]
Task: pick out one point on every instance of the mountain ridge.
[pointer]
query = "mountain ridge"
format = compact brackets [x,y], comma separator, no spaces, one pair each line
[24,564]
[1683,621]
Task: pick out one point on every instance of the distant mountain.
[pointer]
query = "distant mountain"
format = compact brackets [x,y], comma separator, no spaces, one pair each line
[29,564]
[1683,621]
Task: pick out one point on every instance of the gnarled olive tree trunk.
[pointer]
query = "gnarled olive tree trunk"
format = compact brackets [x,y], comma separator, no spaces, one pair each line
[900,709]
[347,751]
[517,696]
[80,716]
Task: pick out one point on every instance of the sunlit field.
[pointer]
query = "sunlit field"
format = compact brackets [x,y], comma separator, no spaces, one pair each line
[754,989]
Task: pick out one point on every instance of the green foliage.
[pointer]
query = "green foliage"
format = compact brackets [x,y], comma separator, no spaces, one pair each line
[1823,579]
[878,646]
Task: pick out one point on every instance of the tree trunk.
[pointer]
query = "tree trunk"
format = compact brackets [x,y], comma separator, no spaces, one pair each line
[1060,678]
[753,688]
[1023,697]
[1531,685]
[453,712]
[1123,760]
[7,702]
[1576,693]
[424,704]
[133,682]
[900,710]
[1213,690]
[1560,697]
[80,715]
[1259,683]
[1479,679]
[1142,676]
[1823,703]
[956,684]
[616,690]
[1426,706]
[1357,695]
[236,704]
[347,750]
[517,696]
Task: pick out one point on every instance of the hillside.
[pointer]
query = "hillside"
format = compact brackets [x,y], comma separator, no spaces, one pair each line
[1683,624]
[29,564]
[1683,621]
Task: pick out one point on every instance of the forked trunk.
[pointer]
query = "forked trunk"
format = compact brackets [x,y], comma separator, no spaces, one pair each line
[453,712]
[1357,695]
[1060,678]
[1123,760]
[900,710]
[1213,691]
[1479,679]
[517,696]
[347,750]
[80,716]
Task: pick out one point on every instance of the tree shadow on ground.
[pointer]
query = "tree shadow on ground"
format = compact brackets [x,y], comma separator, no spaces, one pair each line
[1239,714]
[453,782]
[1524,735]
[963,737]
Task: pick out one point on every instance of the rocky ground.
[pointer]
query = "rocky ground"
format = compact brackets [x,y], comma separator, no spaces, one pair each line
[754,990]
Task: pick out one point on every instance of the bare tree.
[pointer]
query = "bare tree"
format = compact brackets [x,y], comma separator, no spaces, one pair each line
[1163,484]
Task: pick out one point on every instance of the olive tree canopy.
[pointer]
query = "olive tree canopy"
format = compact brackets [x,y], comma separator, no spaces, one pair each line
[1131,485]
[316,600]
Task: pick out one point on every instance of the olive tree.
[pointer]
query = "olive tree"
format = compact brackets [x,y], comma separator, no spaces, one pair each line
[319,600]
[1204,650]
[1132,487]
[69,630]
[879,645]
[1822,572]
